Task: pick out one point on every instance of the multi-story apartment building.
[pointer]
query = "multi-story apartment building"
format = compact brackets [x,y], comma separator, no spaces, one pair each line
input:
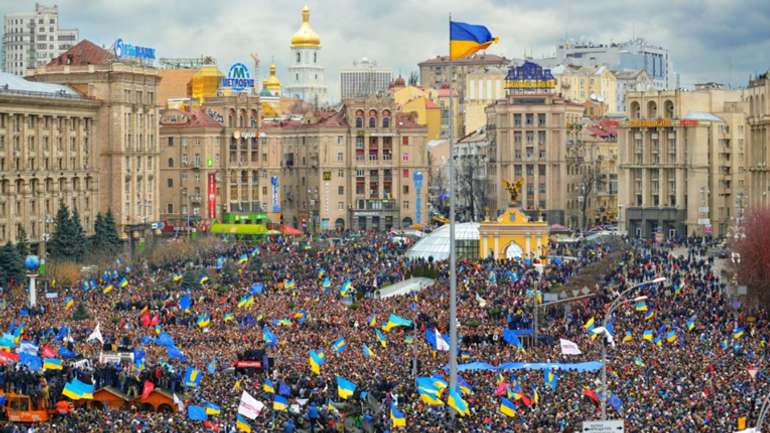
[587,83]
[682,162]
[214,160]
[48,157]
[529,133]
[363,166]
[364,78]
[471,176]
[757,95]
[34,38]
[481,89]
[126,140]
[434,73]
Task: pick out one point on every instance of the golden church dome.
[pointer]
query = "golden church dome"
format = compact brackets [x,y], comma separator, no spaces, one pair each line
[272,83]
[305,36]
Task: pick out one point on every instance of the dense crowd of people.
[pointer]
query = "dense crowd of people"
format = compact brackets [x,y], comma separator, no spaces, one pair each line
[691,375]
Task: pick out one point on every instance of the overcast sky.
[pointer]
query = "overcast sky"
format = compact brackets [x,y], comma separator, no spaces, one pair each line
[710,40]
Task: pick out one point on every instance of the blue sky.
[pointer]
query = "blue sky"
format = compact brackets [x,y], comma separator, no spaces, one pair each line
[710,40]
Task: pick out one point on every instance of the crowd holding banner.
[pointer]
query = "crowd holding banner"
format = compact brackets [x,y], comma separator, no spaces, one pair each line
[342,358]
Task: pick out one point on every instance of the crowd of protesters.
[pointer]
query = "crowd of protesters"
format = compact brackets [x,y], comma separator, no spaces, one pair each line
[698,381]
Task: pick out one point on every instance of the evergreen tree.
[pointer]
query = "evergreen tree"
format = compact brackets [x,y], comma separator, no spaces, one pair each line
[12,264]
[111,232]
[80,312]
[61,239]
[190,279]
[229,273]
[22,244]
[78,245]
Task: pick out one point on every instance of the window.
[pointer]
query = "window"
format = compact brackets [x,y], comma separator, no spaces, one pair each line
[170,182]
[406,204]
[405,141]
[405,173]
[171,163]
[299,57]
[339,156]
[406,189]
[340,205]
[340,190]
[315,57]
[372,122]
[170,141]
[170,208]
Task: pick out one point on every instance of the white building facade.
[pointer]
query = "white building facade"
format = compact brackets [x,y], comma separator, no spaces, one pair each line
[34,38]
[364,78]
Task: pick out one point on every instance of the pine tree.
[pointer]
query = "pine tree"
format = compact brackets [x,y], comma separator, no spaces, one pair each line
[60,242]
[111,231]
[11,263]
[229,273]
[190,279]
[78,245]
[80,312]
[22,243]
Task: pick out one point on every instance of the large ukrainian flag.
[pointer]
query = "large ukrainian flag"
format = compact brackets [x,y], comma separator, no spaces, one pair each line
[465,39]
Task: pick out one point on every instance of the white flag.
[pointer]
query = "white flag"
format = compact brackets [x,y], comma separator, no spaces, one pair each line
[602,330]
[96,334]
[179,404]
[249,407]
[441,344]
[569,347]
[28,347]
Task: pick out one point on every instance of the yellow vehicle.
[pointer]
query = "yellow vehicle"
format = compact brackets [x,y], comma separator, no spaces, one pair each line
[440,219]
[21,408]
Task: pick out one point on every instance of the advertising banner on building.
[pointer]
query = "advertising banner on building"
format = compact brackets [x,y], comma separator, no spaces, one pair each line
[276,202]
[417,178]
[212,192]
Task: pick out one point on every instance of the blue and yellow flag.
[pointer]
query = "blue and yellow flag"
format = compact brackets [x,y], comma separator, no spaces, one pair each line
[176,278]
[628,337]
[507,407]
[229,317]
[466,39]
[457,403]
[551,379]
[204,320]
[647,335]
[367,351]
[381,338]
[192,377]
[649,315]
[738,333]
[123,283]
[641,306]
[243,259]
[395,321]
[68,302]
[52,364]
[316,361]
[203,279]
[267,386]
[396,416]
[339,345]
[211,408]
[691,324]
[280,403]
[345,388]
[241,424]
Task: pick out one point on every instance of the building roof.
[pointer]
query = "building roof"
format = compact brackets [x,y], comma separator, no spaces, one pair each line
[477,59]
[173,83]
[701,116]
[604,128]
[19,84]
[191,119]
[407,120]
[305,36]
[430,104]
[84,52]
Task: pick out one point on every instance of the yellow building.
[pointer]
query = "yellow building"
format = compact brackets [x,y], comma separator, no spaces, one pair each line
[412,99]
[481,89]
[513,235]
[581,83]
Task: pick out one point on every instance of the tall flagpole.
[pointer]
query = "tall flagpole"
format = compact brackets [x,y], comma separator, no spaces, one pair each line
[452,252]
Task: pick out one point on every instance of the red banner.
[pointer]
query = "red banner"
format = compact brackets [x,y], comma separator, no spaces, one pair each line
[212,191]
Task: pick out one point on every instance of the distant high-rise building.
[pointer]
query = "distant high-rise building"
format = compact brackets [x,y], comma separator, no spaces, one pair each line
[364,78]
[34,38]
[630,55]
[306,75]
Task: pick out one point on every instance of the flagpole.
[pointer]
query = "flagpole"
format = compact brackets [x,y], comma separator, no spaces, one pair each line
[452,252]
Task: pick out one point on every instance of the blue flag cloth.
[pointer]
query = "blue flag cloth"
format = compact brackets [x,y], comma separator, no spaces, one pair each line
[146,340]
[173,353]
[185,302]
[164,340]
[270,339]
[615,402]
[197,413]
[66,353]
[257,289]
[283,389]
[510,337]
[211,368]
[33,362]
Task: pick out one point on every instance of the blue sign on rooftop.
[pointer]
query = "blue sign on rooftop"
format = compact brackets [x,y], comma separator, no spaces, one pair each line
[124,49]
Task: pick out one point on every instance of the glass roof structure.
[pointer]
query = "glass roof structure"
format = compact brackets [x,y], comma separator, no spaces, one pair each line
[436,244]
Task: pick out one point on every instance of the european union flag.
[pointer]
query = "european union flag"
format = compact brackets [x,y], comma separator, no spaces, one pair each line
[284,389]
[615,402]
[185,302]
[173,353]
[257,288]
[197,413]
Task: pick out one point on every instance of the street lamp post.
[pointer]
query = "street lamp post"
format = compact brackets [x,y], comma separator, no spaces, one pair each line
[614,304]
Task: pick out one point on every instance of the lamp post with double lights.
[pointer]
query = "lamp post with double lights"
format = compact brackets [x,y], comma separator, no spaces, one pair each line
[615,303]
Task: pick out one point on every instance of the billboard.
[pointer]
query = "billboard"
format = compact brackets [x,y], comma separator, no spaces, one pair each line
[276,202]
[238,78]
[123,49]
